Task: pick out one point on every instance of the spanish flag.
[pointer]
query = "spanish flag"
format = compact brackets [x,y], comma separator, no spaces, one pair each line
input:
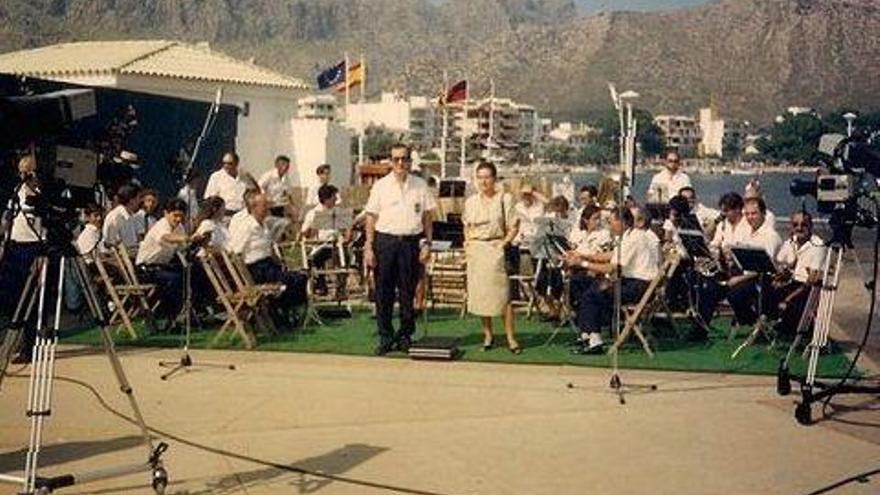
[356,75]
[456,92]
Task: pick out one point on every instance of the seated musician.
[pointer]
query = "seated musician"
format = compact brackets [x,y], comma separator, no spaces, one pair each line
[743,295]
[638,261]
[549,282]
[802,257]
[157,261]
[321,254]
[707,216]
[252,238]
[591,237]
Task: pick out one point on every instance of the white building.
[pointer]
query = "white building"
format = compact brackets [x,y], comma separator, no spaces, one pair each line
[680,132]
[322,107]
[571,134]
[715,131]
[319,141]
[266,99]
[413,117]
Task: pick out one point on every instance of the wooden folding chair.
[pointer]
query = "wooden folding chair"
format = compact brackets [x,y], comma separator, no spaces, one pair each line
[129,296]
[637,313]
[238,311]
[447,280]
[257,296]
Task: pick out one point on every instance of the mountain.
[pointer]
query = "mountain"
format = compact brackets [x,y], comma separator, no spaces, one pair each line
[751,57]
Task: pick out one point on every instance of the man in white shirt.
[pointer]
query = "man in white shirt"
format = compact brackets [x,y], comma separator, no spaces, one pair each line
[753,190]
[528,209]
[638,259]
[708,217]
[321,254]
[323,173]
[156,259]
[400,211]
[252,238]
[803,255]
[228,183]
[23,248]
[90,237]
[747,302]
[277,185]
[669,181]
[119,227]
[733,228]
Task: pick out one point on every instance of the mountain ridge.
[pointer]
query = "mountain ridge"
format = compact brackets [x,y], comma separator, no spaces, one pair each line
[752,58]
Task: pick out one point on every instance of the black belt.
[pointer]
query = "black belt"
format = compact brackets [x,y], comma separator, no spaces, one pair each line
[402,238]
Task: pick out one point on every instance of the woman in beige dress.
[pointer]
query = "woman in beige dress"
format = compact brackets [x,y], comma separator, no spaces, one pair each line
[490,225]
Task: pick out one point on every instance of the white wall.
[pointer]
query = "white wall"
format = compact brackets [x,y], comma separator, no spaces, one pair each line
[316,142]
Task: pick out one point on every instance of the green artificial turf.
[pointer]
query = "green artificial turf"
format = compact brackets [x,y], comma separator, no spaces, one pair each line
[357,336]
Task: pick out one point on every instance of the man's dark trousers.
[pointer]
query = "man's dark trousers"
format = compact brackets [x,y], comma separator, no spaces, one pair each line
[397,272]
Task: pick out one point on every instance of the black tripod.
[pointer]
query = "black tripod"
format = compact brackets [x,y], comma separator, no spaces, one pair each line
[812,389]
[39,407]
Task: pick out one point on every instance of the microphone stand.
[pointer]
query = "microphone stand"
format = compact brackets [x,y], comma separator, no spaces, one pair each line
[186,362]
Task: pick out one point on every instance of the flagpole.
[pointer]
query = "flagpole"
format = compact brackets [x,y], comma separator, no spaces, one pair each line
[347,90]
[467,95]
[445,135]
[362,118]
[490,141]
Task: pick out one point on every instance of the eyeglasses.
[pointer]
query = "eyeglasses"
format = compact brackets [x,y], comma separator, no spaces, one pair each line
[799,224]
[399,159]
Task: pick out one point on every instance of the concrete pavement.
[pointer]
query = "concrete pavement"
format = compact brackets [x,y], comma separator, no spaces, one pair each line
[429,427]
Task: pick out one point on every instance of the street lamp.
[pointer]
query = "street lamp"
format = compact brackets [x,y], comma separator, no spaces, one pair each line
[850,118]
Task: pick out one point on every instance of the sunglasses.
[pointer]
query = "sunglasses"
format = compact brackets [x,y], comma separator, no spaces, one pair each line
[399,159]
[799,224]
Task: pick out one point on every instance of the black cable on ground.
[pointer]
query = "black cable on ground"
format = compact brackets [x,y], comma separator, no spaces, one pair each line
[860,478]
[235,455]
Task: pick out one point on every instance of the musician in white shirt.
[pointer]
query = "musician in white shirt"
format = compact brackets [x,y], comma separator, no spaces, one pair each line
[746,300]
[638,260]
[252,238]
[323,253]
[323,173]
[210,223]
[156,258]
[277,184]
[669,181]
[708,217]
[802,257]
[119,227]
[228,183]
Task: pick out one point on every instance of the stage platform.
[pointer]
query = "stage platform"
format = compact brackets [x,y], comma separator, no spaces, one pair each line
[329,424]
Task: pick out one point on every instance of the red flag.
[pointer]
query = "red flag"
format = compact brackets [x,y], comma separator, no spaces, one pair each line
[456,92]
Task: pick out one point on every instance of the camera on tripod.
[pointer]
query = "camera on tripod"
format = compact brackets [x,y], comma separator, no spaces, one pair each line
[850,166]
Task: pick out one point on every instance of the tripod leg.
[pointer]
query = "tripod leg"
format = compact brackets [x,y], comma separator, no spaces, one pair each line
[23,310]
[110,349]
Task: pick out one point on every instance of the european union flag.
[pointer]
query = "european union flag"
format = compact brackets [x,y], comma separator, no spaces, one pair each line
[333,76]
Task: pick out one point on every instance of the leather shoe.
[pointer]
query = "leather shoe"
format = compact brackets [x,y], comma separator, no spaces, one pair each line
[403,344]
[383,348]
[586,350]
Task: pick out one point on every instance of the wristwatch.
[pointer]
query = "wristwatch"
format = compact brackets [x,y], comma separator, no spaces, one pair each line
[423,243]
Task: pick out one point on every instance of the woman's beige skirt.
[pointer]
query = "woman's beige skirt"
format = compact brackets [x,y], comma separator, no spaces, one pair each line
[488,289]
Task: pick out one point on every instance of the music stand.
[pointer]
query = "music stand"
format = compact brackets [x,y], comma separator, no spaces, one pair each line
[694,243]
[657,211]
[757,261]
[336,219]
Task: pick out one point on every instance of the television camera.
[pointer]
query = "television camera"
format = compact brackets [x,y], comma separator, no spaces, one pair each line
[846,184]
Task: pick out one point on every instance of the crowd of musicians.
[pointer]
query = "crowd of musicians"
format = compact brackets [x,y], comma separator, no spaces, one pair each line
[574,265]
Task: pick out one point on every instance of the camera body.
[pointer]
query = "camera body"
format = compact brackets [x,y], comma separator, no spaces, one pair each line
[850,167]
